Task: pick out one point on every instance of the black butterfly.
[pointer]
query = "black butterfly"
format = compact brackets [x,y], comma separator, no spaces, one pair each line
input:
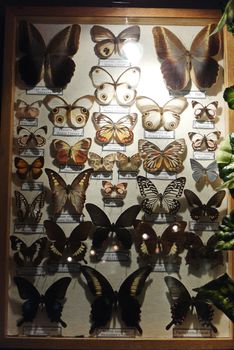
[106,299]
[181,301]
[29,212]
[24,255]
[104,226]
[50,300]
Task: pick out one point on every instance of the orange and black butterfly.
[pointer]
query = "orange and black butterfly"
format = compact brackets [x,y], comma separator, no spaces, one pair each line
[109,190]
[33,170]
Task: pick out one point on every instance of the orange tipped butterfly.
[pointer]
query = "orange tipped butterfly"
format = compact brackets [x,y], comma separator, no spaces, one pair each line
[28,255]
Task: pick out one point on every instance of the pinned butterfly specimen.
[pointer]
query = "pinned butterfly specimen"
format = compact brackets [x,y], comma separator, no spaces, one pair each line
[69,248]
[122,89]
[106,299]
[199,171]
[29,212]
[205,112]
[73,194]
[182,302]
[108,130]
[101,164]
[155,159]
[104,227]
[33,170]
[52,62]
[107,43]
[128,164]
[27,110]
[74,115]
[153,201]
[76,154]
[179,65]
[202,142]
[114,191]
[28,255]
[51,300]
[208,210]
[154,116]
[31,138]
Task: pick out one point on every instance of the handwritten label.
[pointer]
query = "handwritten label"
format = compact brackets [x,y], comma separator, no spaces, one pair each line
[127,175]
[159,134]
[42,90]
[162,175]
[114,147]
[28,122]
[200,124]
[204,155]
[188,94]
[67,132]
[42,331]
[192,333]
[159,218]
[114,63]
[203,226]
[32,186]
[30,271]
[104,175]
[31,152]
[26,228]
[114,109]
[69,218]
[116,333]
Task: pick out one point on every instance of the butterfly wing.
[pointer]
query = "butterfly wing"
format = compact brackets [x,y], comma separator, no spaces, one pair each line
[57,240]
[75,242]
[171,112]
[22,206]
[212,171]
[150,193]
[78,114]
[125,86]
[78,189]
[146,240]
[25,110]
[205,312]
[104,83]
[59,190]
[172,191]
[99,163]
[35,207]
[173,239]
[198,170]
[214,202]
[105,41]
[105,128]
[76,153]
[128,35]
[211,140]
[123,129]
[22,167]
[151,113]
[125,163]
[197,207]
[35,169]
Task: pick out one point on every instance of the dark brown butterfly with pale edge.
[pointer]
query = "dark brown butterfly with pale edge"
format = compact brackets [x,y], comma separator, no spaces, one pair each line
[126,163]
[201,142]
[205,112]
[27,212]
[99,163]
[74,115]
[182,302]
[114,191]
[106,299]
[28,255]
[153,200]
[31,138]
[199,210]
[33,170]
[27,110]
[107,43]
[69,248]
[52,62]
[178,65]
[51,300]
[73,193]
[155,159]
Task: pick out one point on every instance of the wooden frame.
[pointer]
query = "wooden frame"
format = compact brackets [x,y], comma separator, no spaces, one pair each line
[88,15]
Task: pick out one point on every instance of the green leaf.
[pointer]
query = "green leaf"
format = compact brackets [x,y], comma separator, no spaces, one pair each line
[228,96]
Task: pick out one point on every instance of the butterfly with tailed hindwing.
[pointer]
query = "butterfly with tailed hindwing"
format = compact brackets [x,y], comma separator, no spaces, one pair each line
[179,66]
[31,138]
[33,170]
[27,110]
[101,164]
[106,299]
[28,255]
[201,141]
[205,112]
[128,164]
[199,171]
[29,212]
[114,191]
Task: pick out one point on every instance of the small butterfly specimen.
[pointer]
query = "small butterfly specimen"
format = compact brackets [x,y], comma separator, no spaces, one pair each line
[200,172]
[182,302]
[69,248]
[73,115]
[128,163]
[154,116]
[33,170]
[155,159]
[101,164]
[104,227]
[205,112]
[75,155]
[118,191]
[51,300]
[120,131]
[122,89]
[200,210]
[106,299]
[28,255]
[31,138]
[179,65]
[108,44]
[27,110]
[73,193]
[29,212]
[153,201]
[52,62]
[202,142]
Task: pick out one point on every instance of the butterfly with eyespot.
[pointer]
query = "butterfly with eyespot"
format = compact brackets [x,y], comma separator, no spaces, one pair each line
[182,302]
[63,114]
[154,116]
[51,300]
[31,138]
[104,227]
[155,159]
[128,164]
[73,194]
[28,255]
[27,110]
[153,200]
[179,66]
[122,89]
[76,154]
[199,171]
[63,247]
[205,112]
[108,44]
[52,62]
[201,142]
[108,130]
[208,210]
[101,164]
[33,170]
[114,191]
[106,299]
[29,212]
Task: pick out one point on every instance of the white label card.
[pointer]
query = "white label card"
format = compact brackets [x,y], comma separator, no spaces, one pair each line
[68,132]
[162,175]
[188,94]
[113,202]
[96,175]
[42,90]
[114,109]
[31,152]
[159,134]
[25,228]
[63,268]
[71,168]
[203,226]
[204,155]
[32,186]
[68,218]
[192,333]
[114,147]
[28,122]
[30,271]
[116,333]
[200,124]
[159,218]
[127,175]
[42,331]
[114,256]
[114,62]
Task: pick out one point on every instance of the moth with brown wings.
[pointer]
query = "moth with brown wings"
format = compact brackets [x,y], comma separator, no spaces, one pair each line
[127,163]
[101,164]
[27,110]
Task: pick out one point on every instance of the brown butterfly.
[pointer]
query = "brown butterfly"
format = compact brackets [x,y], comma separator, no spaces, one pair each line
[33,170]
[114,191]
[99,163]
[31,138]
[28,255]
[27,110]
[126,163]
[205,112]
[201,141]
[29,212]
[179,65]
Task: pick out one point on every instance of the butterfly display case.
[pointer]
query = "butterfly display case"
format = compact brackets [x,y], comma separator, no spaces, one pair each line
[111,200]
